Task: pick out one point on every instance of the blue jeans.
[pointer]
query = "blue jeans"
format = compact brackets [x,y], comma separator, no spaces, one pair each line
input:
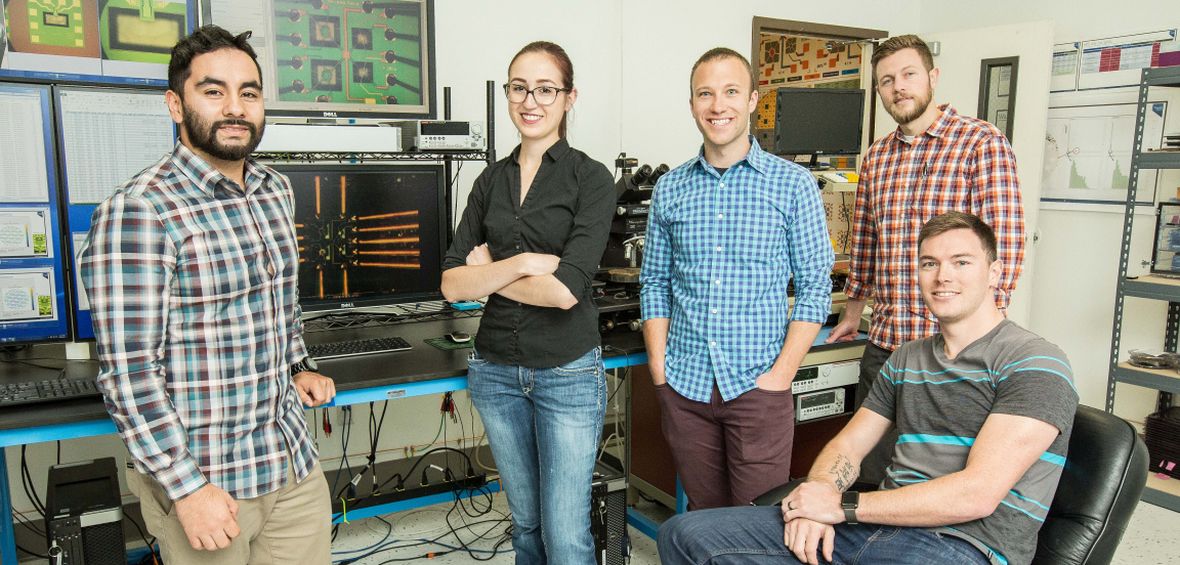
[544,426]
[754,535]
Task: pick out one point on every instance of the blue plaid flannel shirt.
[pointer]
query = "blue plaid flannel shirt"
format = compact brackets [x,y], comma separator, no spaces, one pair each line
[720,250]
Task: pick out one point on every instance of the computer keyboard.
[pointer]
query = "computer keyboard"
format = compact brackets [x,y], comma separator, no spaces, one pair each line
[48,390]
[357,347]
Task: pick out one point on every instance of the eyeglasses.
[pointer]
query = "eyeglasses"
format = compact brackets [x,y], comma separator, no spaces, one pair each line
[544,95]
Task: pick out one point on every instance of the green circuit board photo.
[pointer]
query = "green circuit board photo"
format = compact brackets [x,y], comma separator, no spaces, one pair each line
[349,51]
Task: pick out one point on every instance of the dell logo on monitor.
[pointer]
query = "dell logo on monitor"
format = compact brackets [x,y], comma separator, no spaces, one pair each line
[347,305]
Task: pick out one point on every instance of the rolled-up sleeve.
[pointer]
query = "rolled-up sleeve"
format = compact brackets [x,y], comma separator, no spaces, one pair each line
[127,265]
[587,238]
[811,256]
[655,295]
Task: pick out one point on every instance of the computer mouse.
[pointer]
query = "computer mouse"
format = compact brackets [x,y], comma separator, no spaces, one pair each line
[459,337]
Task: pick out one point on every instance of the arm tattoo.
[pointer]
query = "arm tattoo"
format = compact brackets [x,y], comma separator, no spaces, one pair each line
[842,472]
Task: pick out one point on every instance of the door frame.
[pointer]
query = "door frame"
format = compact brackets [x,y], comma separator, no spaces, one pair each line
[760,25]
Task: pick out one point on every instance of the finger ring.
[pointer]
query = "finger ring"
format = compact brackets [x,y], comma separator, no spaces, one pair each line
[789,507]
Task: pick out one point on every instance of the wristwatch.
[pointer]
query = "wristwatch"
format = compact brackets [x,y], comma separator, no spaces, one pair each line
[850,501]
[305,364]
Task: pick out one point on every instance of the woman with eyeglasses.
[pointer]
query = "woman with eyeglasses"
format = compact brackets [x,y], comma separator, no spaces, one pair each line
[530,239]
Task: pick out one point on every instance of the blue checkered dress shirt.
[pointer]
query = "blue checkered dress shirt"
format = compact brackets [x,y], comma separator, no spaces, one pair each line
[720,250]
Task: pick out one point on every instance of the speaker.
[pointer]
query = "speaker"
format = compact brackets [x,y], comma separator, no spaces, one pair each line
[84,514]
[608,516]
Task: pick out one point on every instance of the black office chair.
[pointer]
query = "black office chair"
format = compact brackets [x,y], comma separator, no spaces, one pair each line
[1099,489]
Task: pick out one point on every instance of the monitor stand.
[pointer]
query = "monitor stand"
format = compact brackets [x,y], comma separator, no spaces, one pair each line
[815,165]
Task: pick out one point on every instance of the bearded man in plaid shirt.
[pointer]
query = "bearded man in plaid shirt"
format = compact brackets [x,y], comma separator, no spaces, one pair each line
[191,269]
[936,161]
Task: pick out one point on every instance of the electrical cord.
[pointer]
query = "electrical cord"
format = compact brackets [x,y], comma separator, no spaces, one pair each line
[27,484]
[156,558]
[33,553]
[421,458]
[20,518]
[466,545]
[346,423]
[392,545]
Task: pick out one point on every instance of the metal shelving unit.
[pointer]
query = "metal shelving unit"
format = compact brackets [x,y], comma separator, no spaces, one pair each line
[1161,492]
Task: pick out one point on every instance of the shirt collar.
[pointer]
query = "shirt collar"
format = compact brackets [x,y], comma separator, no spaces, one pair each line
[207,178]
[758,159]
[554,153]
[940,128]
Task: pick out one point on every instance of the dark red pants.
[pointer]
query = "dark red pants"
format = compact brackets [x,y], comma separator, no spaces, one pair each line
[729,453]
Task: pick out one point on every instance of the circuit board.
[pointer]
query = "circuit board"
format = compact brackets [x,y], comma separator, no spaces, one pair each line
[119,30]
[53,27]
[348,51]
[142,30]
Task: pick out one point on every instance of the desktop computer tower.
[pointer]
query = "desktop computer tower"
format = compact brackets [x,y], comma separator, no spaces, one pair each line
[608,516]
[84,514]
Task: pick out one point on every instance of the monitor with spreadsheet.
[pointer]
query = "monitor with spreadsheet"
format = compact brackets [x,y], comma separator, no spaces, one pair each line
[818,121]
[369,235]
[33,282]
[107,136]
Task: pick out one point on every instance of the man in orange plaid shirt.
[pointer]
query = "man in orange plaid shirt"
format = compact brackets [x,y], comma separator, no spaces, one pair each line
[935,161]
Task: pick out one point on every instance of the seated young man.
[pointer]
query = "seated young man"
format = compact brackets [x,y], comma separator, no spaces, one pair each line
[984,410]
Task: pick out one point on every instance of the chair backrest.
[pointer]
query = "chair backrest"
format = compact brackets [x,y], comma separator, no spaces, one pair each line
[1104,475]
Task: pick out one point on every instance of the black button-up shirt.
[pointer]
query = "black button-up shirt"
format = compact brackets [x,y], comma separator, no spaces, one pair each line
[567,212]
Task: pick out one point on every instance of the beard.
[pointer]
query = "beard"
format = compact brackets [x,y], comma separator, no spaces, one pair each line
[203,136]
[921,102]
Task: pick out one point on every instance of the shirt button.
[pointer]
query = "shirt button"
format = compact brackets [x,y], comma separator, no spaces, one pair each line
[513,332]
[516,217]
[717,282]
[722,185]
[713,311]
[718,248]
[720,216]
[712,344]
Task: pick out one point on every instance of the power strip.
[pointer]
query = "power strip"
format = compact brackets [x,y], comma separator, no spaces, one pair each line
[395,495]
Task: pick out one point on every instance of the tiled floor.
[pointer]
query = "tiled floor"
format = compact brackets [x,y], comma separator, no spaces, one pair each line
[1153,537]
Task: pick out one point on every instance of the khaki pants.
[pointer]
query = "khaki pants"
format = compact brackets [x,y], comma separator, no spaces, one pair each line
[289,526]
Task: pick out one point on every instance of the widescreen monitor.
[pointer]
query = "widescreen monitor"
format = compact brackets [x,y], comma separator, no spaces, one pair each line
[108,135]
[368,235]
[818,121]
[33,281]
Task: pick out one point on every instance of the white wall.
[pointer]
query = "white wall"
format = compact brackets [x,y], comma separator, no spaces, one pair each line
[1072,19]
[662,38]
[475,40]
[1077,255]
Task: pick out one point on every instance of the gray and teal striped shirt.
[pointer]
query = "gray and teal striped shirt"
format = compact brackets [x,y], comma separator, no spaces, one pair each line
[939,405]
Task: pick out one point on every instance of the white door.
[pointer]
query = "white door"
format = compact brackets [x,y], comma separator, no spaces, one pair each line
[959,58]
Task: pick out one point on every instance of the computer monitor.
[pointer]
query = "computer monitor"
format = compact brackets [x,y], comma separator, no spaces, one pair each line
[108,135]
[818,121]
[111,42]
[33,281]
[338,58]
[369,235]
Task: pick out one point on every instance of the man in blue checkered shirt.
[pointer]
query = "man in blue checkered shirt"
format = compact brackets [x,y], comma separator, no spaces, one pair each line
[728,230]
